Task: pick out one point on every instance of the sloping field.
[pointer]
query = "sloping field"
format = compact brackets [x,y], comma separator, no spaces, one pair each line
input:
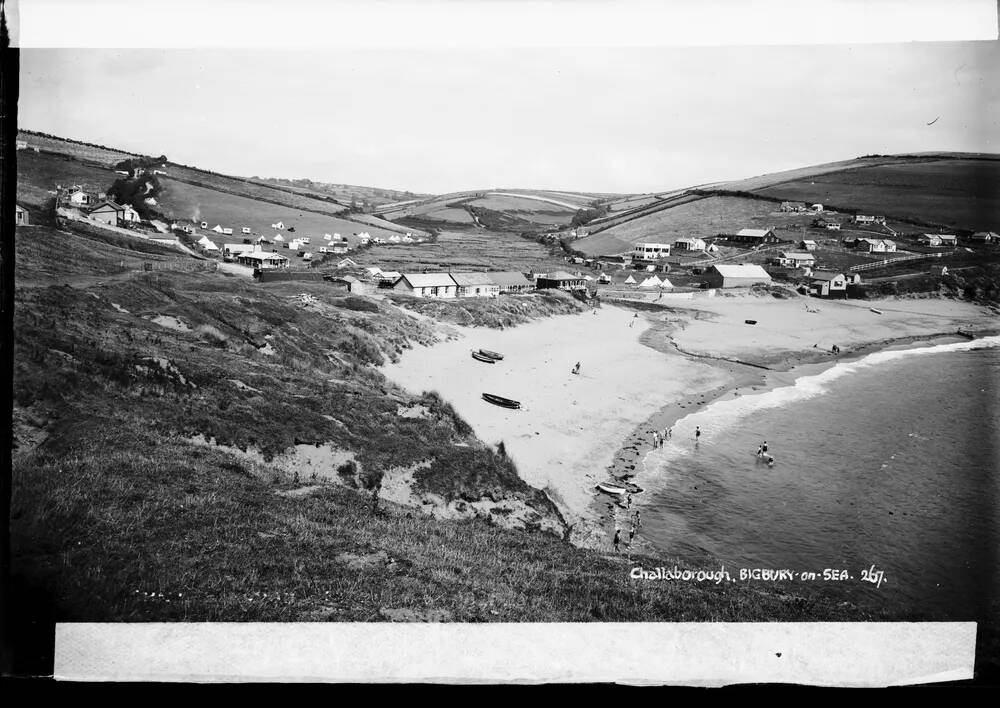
[81,151]
[187,201]
[701,218]
[452,215]
[957,193]
[38,173]
[465,250]
[253,190]
[803,173]
[544,212]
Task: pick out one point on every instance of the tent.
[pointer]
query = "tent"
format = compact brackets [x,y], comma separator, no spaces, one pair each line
[651,282]
[630,280]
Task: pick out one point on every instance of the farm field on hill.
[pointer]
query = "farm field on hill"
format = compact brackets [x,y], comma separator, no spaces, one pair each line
[473,250]
[761,182]
[451,214]
[186,201]
[37,173]
[78,150]
[530,209]
[956,193]
[705,217]
[253,190]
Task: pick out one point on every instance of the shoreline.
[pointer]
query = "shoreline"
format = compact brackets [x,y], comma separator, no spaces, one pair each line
[630,457]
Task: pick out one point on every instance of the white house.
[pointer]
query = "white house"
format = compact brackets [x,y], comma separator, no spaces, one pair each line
[651,251]
[475,285]
[427,285]
[230,250]
[129,215]
[948,239]
[81,198]
[876,245]
[265,260]
[929,239]
[796,259]
[734,276]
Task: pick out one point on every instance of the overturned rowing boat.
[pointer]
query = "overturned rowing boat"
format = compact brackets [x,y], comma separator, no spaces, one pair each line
[612,489]
[501,401]
[482,357]
[877,312]
[491,355]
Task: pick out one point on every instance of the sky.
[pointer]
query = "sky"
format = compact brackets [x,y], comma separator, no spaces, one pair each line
[596,119]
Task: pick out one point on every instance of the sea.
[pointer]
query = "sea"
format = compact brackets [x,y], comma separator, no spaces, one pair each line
[884,490]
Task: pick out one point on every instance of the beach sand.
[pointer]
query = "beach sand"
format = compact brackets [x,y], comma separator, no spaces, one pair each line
[574,431]
[566,435]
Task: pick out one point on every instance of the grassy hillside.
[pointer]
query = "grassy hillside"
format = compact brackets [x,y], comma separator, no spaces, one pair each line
[87,152]
[39,173]
[954,193]
[120,514]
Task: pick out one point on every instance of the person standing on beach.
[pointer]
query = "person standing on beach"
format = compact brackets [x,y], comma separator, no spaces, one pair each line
[656,439]
[760,451]
[618,538]
[763,448]
[631,535]
[638,521]
[628,501]
[697,432]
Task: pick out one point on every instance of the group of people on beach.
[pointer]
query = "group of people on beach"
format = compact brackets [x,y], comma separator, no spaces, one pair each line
[636,523]
[762,453]
[660,438]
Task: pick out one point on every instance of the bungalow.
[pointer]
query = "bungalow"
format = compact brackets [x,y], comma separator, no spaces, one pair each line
[651,251]
[863,219]
[828,284]
[754,236]
[81,198]
[475,285]
[796,259]
[511,281]
[929,239]
[263,260]
[735,276]
[561,280]
[807,245]
[346,263]
[427,285]
[948,240]
[984,237]
[353,284]
[690,244]
[107,212]
[876,245]
[20,215]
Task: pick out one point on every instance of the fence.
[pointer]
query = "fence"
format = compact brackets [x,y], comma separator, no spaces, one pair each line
[184,265]
[279,276]
[892,261]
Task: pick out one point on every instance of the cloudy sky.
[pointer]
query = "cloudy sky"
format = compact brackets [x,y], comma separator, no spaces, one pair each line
[612,119]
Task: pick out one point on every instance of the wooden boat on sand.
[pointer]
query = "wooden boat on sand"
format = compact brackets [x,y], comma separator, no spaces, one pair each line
[481,357]
[877,312]
[501,401]
[491,355]
[613,489]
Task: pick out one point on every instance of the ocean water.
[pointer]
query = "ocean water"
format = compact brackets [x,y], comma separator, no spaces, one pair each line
[889,461]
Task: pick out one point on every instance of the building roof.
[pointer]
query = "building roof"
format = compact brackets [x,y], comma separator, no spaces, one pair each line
[746,270]
[753,232]
[807,240]
[689,239]
[560,275]
[798,256]
[507,278]
[264,256]
[348,279]
[825,275]
[428,280]
[107,203]
[467,279]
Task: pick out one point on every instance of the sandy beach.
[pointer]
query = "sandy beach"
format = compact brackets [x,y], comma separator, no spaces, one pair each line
[565,436]
[640,374]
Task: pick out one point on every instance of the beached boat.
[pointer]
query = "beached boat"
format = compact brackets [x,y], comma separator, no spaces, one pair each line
[501,401]
[612,489]
[491,355]
[877,312]
[482,357]
[750,321]
[967,335]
